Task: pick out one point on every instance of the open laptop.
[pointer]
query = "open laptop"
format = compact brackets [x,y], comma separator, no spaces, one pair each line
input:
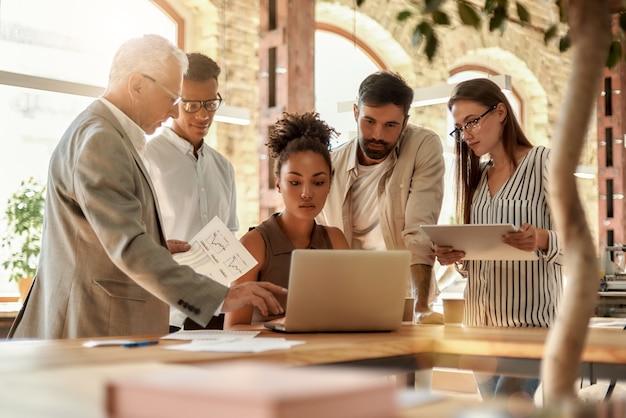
[345,291]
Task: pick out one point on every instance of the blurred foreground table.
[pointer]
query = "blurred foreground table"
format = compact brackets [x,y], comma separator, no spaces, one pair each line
[64,378]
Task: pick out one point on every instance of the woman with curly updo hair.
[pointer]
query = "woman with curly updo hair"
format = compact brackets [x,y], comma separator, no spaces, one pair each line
[300,144]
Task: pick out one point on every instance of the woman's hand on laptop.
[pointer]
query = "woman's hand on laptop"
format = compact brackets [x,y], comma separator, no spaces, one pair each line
[258,294]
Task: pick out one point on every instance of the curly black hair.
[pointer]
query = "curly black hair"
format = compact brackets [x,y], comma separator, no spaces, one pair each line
[297,132]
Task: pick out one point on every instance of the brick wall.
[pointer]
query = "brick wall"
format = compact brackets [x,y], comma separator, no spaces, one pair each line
[228,31]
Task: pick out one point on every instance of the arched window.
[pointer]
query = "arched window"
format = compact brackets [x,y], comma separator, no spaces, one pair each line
[55,60]
[340,66]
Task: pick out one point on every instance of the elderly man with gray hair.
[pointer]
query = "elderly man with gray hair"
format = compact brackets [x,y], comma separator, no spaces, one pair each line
[105,268]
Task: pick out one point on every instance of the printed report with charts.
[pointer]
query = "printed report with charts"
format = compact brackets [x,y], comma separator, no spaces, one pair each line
[217,253]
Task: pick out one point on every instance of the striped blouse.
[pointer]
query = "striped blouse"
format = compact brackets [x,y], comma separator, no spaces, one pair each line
[515,293]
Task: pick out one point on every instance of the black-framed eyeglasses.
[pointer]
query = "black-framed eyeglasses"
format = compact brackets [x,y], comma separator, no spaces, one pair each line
[175,97]
[472,125]
[192,106]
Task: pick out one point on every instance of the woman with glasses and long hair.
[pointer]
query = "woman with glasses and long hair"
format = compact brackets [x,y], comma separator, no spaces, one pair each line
[503,179]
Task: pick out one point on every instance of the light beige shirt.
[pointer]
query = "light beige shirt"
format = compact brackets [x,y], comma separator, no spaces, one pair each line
[410,192]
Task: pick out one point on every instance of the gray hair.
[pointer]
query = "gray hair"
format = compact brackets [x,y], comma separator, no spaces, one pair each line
[149,54]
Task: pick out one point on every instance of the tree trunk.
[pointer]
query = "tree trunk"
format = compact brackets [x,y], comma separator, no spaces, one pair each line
[590,31]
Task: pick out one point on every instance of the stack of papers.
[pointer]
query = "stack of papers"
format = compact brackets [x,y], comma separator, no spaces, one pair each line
[619,323]
[237,345]
[209,334]
[227,341]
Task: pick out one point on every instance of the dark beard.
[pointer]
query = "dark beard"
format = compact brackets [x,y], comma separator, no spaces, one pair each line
[374,154]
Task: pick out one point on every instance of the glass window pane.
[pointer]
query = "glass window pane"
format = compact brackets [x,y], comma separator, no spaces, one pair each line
[340,67]
[73,40]
[33,122]
[69,40]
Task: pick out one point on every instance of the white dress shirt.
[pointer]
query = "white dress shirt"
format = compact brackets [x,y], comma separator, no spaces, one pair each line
[191,191]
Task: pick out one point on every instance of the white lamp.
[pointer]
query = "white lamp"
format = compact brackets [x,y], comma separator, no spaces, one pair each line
[232,114]
[585,172]
[426,96]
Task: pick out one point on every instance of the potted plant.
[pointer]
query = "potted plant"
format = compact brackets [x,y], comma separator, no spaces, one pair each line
[24,217]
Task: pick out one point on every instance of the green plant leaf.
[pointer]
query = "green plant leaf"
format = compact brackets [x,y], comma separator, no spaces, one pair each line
[565,43]
[431,46]
[441,18]
[422,30]
[522,13]
[24,214]
[497,21]
[490,6]
[404,15]
[425,28]
[432,5]
[468,14]
[549,33]
[562,14]
[614,55]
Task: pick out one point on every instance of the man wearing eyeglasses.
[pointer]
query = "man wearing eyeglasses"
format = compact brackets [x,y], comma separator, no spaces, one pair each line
[105,268]
[193,181]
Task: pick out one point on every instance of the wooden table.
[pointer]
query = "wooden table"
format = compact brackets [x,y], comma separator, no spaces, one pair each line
[65,377]
[409,348]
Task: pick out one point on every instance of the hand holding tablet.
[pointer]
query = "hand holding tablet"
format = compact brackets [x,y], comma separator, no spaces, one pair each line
[478,241]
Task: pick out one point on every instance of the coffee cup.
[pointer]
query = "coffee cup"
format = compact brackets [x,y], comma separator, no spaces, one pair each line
[407,316]
[453,311]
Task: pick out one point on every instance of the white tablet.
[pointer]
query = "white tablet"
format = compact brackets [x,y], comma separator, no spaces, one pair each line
[478,241]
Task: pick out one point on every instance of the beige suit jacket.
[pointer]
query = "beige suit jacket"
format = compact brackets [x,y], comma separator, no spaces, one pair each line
[104,268]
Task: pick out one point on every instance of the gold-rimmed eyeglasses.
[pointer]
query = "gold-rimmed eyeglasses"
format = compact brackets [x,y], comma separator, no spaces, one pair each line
[192,106]
[471,126]
[175,97]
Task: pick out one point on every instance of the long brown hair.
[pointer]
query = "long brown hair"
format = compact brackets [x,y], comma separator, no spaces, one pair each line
[467,173]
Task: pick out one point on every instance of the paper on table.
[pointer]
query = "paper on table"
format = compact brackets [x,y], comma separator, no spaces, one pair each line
[237,345]
[619,323]
[217,253]
[203,334]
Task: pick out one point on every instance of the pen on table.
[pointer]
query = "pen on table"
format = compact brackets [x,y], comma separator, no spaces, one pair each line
[140,343]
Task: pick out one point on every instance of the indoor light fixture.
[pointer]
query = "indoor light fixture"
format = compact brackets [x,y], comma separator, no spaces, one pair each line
[48,84]
[225,113]
[232,114]
[426,96]
[585,172]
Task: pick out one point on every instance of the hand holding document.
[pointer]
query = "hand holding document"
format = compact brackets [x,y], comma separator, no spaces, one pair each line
[217,253]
